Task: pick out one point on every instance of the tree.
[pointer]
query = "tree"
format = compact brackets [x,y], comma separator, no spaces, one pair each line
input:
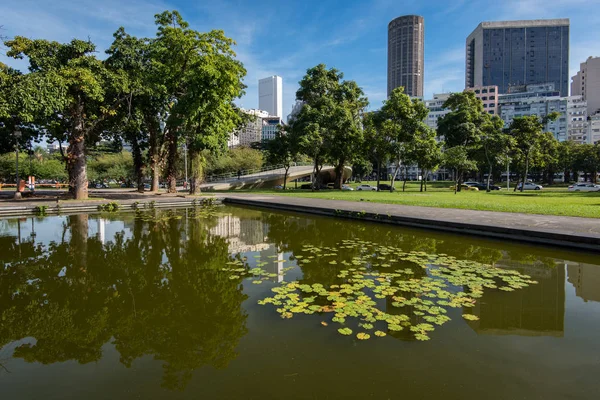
[282,150]
[200,78]
[587,160]
[427,153]
[494,144]
[463,125]
[328,126]
[457,158]
[403,118]
[378,144]
[77,87]
[527,132]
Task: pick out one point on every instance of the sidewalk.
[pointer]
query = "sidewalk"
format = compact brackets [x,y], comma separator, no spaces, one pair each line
[573,232]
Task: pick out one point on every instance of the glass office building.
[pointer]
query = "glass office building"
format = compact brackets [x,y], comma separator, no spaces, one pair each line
[515,53]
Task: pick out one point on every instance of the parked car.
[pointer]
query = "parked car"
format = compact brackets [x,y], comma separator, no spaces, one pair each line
[347,188]
[278,187]
[385,187]
[530,186]
[367,187]
[584,187]
[482,186]
[306,186]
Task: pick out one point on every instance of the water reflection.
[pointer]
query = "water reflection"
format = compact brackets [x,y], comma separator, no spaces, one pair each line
[154,286]
[537,310]
[586,279]
[152,294]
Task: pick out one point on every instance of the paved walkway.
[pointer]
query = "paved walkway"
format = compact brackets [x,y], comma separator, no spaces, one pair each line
[575,232]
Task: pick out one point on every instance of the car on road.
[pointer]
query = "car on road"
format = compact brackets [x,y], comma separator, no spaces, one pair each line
[584,187]
[278,187]
[366,187]
[347,188]
[385,187]
[530,186]
[482,186]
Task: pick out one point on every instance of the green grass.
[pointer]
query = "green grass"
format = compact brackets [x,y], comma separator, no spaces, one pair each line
[549,201]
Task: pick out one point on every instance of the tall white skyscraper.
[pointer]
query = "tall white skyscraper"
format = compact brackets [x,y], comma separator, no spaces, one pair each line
[270,95]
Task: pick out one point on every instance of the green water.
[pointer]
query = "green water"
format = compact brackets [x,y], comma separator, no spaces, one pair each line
[119,306]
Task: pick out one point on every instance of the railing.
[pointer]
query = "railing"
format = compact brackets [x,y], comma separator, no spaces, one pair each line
[256,171]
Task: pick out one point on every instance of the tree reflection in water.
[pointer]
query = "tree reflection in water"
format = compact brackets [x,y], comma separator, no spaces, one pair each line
[153,294]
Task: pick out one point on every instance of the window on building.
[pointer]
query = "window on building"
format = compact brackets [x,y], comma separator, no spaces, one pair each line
[484,98]
[493,90]
[477,91]
[492,97]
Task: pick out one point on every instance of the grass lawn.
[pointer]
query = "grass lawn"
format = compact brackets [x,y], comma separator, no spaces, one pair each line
[549,201]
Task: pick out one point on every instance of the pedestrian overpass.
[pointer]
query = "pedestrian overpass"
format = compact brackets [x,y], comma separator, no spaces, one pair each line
[270,177]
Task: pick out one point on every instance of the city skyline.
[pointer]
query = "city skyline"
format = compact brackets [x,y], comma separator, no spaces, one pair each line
[273,40]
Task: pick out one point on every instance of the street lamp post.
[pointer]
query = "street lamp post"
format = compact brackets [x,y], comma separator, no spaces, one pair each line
[17,134]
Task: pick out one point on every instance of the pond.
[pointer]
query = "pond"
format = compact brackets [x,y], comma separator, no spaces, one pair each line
[244,303]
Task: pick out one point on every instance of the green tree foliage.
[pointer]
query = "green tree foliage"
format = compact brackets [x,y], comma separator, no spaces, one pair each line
[329,125]
[528,135]
[379,144]
[587,159]
[427,152]
[81,89]
[457,158]
[200,77]
[282,150]
[403,118]
[233,160]
[494,145]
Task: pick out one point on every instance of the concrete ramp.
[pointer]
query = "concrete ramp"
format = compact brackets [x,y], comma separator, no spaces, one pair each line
[273,178]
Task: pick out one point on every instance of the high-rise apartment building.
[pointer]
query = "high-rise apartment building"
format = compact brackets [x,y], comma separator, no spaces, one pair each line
[539,100]
[488,96]
[270,95]
[509,53]
[406,49]
[251,132]
[587,84]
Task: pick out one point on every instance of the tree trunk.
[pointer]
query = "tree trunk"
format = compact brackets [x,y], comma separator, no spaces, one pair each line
[197,164]
[458,185]
[76,162]
[285,175]
[154,153]
[138,164]
[487,189]
[171,162]
[421,189]
[339,175]
[526,172]
[394,176]
[378,173]
[425,179]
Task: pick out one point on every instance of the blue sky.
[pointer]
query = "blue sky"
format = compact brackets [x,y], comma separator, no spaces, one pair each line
[287,37]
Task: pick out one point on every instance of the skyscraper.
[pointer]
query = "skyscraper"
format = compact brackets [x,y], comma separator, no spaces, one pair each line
[514,53]
[270,95]
[406,48]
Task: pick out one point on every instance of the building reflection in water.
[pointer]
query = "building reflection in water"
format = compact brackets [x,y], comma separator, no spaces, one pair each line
[586,280]
[247,236]
[537,310]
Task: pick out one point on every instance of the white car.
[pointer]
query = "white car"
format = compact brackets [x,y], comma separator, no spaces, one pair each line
[347,188]
[584,187]
[530,186]
[366,187]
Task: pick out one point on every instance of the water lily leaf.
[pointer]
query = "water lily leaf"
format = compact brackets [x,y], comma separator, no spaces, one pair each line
[345,331]
[380,333]
[363,336]
[470,317]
